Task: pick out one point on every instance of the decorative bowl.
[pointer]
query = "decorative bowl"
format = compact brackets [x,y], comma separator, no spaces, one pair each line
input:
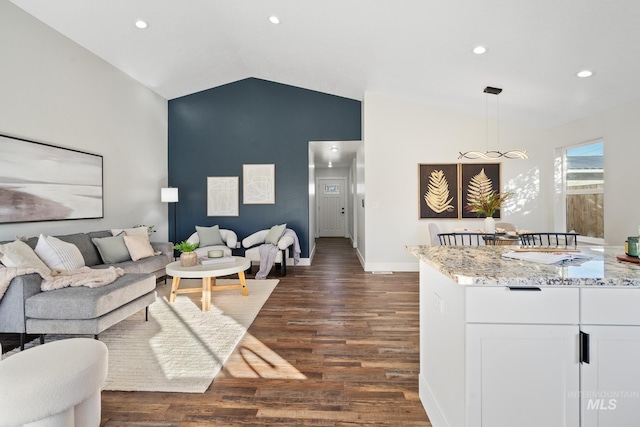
[215,254]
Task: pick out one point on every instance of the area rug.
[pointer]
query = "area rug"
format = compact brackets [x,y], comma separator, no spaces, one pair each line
[180,348]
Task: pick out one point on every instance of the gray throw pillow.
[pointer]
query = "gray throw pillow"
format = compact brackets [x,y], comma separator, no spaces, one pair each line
[209,236]
[112,249]
[275,234]
[87,248]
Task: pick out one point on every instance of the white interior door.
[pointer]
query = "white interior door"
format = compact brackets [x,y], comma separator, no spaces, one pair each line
[331,207]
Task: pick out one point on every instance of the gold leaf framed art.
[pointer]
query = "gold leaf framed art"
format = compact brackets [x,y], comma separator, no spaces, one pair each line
[446,188]
[439,195]
[477,178]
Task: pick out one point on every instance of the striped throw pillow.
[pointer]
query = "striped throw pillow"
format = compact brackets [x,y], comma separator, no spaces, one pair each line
[59,255]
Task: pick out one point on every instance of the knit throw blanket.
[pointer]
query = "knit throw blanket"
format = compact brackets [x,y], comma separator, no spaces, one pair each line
[58,279]
[85,276]
[8,273]
[268,253]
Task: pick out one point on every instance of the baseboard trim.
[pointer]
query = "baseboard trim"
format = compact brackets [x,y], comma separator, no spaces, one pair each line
[361,259]
[392,266]
[313,253]
[430,405]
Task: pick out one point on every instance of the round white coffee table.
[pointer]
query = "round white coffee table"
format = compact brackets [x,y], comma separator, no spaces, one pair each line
[208,274]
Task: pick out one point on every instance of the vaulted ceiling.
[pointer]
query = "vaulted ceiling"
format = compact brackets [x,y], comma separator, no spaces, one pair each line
[419,50]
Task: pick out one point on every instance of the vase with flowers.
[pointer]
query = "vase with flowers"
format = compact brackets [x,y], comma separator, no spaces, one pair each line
[486,203]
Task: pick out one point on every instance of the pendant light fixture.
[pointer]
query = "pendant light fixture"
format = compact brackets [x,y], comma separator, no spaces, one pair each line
[493,154]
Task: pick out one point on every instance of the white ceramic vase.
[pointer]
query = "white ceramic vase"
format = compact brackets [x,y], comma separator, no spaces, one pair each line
[489,225]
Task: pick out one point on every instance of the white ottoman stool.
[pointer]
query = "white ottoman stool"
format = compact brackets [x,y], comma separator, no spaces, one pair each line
[54,385]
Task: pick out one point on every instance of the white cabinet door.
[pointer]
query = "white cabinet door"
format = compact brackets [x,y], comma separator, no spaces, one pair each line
[522,375]
[611,379]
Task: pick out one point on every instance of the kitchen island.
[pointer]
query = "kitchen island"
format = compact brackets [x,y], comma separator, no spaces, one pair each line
[509,343]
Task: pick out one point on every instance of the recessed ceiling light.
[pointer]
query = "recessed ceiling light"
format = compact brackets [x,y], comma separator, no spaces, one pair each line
[584,73]
[479,50]
[330,165]
[334,148]
[274,19]
[141,24]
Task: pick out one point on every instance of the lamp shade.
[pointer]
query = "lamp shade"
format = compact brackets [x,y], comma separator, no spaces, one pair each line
[169,195]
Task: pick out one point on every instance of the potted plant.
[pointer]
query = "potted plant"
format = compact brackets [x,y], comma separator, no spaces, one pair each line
[486,203]
[188,258]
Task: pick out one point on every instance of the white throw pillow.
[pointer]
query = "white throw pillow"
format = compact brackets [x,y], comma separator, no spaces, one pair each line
[19,254]
[138,247]
[58,254]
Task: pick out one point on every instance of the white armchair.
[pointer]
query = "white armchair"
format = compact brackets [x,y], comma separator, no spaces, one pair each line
[229,238]
[253,242]
[55,384]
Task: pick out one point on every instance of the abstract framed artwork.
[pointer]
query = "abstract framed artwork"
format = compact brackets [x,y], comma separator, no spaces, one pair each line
[476,178]
[439,198]
[258,184]
[42,182]
[222,196]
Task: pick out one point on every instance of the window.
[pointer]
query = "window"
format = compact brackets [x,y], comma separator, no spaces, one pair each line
[584,190]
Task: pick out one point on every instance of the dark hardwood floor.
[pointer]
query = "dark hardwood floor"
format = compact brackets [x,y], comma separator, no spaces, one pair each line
[333,346]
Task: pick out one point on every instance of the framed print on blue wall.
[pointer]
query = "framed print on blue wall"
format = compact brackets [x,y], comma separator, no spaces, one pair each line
[42,182]
[258,184]
[222,196]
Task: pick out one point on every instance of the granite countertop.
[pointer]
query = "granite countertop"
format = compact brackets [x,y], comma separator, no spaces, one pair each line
[484,265]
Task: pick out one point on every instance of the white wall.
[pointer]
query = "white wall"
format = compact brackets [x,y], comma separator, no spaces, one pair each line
[312,204]
[620,131]
[332,173]
[353,196]
[398,135]
[360,202]
[56,92]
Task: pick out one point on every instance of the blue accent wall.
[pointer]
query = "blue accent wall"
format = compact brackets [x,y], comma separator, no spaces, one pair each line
[252,121]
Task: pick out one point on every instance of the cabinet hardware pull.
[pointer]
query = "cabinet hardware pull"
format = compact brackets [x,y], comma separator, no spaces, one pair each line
[524,288]
[584,347]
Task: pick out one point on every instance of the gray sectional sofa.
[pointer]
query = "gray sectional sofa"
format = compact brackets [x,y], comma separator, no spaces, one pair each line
[25,309]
